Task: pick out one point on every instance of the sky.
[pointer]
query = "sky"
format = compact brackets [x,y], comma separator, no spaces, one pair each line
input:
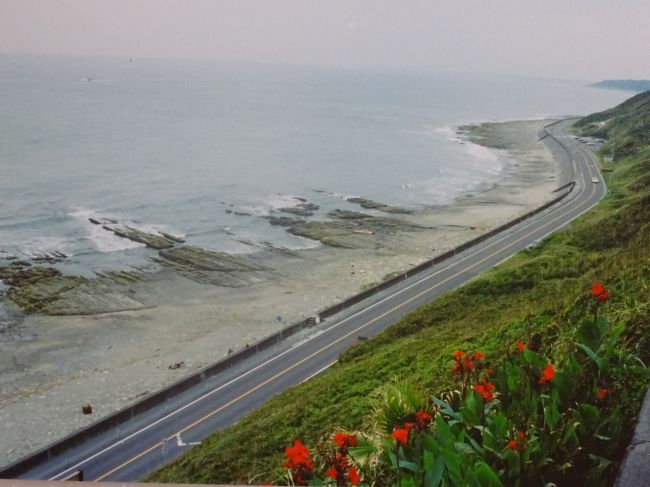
[577,39]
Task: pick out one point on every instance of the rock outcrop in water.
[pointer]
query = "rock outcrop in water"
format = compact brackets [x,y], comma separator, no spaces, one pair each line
[373,205]
[302,209]
[156,241]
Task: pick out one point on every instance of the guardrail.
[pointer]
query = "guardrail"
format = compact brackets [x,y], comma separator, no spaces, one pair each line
[129,412]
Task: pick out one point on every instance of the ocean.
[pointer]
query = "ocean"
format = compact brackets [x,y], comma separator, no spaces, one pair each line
[205,151]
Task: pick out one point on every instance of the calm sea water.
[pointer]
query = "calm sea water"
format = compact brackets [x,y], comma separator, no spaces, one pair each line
[172,146]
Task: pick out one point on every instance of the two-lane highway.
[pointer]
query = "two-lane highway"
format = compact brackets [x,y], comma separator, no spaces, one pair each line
[161,433]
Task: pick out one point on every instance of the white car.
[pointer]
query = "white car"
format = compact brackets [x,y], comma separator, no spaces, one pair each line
[594,180]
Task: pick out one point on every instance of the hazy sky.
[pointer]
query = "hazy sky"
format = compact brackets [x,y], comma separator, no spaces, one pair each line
[589,39]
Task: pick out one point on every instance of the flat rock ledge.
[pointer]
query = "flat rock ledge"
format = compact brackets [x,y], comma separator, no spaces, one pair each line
[211,267]
[46,290]
[345,229]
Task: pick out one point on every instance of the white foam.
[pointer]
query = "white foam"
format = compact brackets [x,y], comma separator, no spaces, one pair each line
[44,246]
[103,240]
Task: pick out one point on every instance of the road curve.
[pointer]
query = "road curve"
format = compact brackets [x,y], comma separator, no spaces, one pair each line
[156,436]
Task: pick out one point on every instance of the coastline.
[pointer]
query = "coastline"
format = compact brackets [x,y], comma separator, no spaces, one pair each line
[50,376]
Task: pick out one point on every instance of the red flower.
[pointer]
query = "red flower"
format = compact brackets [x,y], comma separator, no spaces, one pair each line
[422,419]
[478,356]
[298,455]
[547,374]
[353,475]
[485,389]
[344,440]
[401,435]
[519,443]
[332,473]
[520,347]
[490,372]
[458,355]
[603,297]
[468,363]
[409,426]
[597,289]
[299,462]
[602,393]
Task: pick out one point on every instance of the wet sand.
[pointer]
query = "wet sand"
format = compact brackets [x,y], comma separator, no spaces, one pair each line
[53,365]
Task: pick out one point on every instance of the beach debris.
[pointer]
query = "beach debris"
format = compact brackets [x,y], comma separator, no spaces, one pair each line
[176,365]
[87,409]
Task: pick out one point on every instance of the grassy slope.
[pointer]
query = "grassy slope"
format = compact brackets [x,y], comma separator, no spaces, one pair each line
[610,244]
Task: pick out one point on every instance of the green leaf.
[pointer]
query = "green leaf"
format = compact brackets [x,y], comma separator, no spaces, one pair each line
[433,475]
[443,433]
[591,333]
[452,462]
[463,448]
[471,408]
[590,416]
[486,476]
[410,466]
[592,355]
[407,481]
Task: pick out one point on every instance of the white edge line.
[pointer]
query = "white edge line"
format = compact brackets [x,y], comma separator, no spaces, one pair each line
[319,371]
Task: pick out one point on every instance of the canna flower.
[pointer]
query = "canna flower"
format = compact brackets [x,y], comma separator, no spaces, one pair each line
[458,355]
[602,392]
[353,475]
[332,473]
[344,440]
[422,419]
[409,426]
[547,374]
[485,389]
[478,356]
[519,443]
[298,455]
[400,435]
[299,462]
[520,347]
[597,289]
[468,363]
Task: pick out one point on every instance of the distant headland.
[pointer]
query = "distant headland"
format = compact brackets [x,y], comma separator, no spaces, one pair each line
[638,85]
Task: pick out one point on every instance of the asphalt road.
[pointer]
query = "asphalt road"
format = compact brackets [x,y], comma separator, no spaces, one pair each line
[156,436]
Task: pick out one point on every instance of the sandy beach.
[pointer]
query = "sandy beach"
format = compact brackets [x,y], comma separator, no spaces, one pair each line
[51,365]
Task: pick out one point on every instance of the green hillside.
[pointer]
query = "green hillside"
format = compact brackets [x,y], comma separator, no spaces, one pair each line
[626,127]
[546,288]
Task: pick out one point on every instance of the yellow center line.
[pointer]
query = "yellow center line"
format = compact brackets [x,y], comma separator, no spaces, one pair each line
[330,345]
